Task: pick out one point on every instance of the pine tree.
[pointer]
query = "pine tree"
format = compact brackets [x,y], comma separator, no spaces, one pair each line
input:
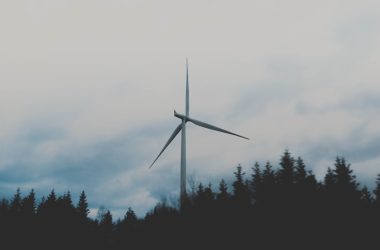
[65,206]
[16,202]
[52,197]
[269,185]
[300,171]
[343,174]
[106,223]
[269,177]
[241,193]
[204,197]
[41,206]
[29,204]
[82,207]
[200,190]
[209,194]
[377,192]
[49,207]
[4,207]
[366,197]
[223,194]
[329,179]
[286,172]
[130,217]
[256,182]
[67,201]
[345,181]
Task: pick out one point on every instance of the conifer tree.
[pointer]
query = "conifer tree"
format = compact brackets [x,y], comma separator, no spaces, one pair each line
[329,179]
[29,204]
[52,197]
[200,190]
[366,197]
[41,206]
[241,193]
[51,201]
[223,194]
[67,201]
[256,182]
[208,193]
[106,223]
[269,177]
[82,207]
[345,181]
[300,171]
[377,192]
[4,207]
[286,172]
[343,175]
[130,217]
[268,187]
[16,202]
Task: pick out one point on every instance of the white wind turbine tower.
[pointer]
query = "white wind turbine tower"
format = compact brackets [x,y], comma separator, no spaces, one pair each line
[182,126]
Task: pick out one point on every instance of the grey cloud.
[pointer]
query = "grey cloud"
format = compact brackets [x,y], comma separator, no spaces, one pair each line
[361,102]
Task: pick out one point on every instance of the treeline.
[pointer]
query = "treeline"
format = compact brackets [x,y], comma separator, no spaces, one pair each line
[268,208]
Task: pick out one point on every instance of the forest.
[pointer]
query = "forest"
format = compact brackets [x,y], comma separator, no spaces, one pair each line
[265,208]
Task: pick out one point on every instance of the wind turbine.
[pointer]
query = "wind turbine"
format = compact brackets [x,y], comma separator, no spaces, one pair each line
[182,127]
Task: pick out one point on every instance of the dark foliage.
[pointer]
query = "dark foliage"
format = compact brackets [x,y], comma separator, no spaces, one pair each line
[270,209]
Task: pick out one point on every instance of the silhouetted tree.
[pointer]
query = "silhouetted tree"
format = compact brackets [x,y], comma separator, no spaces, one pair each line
[300,171]
[366,197]
[268,187]
[200,191]
[28,206]
[241,194]
[82,207]
[130,217]
[345,185]
[286,172]
[4,207]
[16,202]
[223,194]
[41,206]
[106,222]
[65,204]
[51,201]
[105,226]
[256,182]
[48,206]
[377,192]
[343,175]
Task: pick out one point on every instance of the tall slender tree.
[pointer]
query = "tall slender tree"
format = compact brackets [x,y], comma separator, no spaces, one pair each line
[241,193]
[345,181]
[223,194]
[256,182]
[82,207]
[286,172]
[29,204]
[377,192]
[16,203]
[300,171]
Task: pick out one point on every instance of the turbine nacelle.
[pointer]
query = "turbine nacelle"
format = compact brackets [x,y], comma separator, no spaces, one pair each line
[181,116]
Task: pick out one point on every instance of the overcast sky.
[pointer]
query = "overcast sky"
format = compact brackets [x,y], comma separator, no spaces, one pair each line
[88,88]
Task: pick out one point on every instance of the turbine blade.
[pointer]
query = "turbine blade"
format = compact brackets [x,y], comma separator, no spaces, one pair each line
[212,127]
[187,89]
[175,133]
